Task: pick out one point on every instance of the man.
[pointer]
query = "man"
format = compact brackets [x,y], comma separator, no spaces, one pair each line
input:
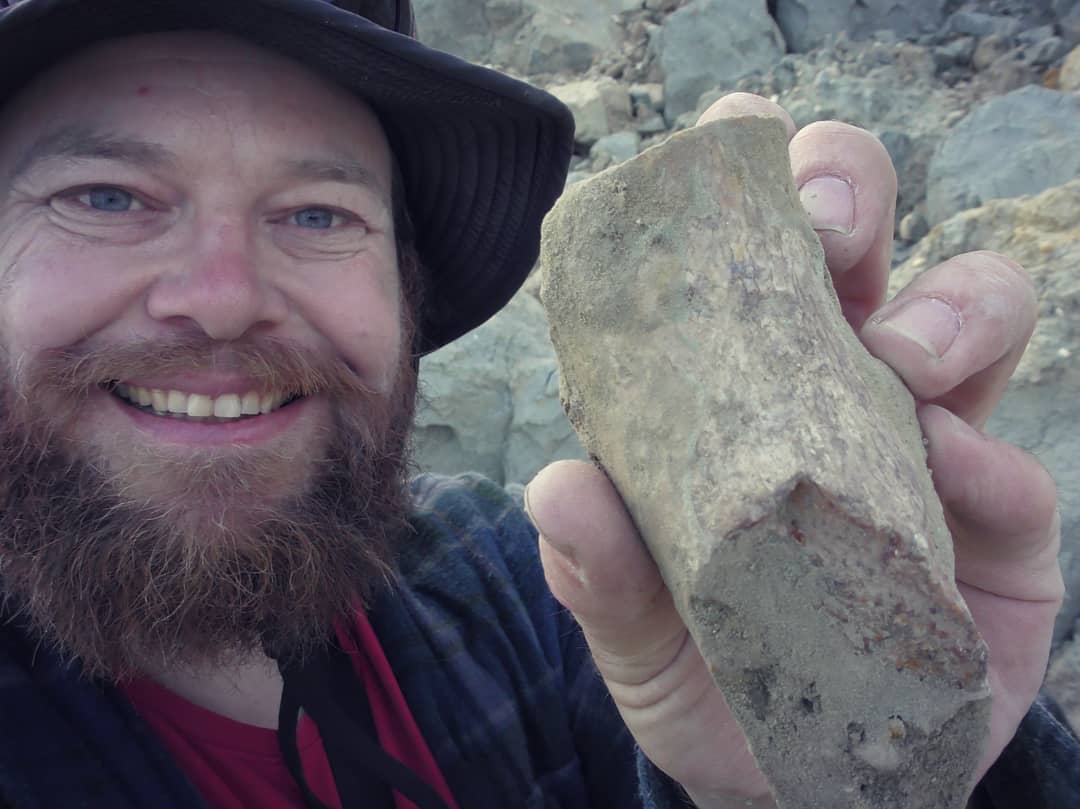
[219,262]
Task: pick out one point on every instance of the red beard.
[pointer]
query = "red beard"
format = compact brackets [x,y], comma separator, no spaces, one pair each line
[116,581]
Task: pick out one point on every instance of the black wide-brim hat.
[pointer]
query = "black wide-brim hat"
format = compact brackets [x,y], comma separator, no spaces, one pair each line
[483,156]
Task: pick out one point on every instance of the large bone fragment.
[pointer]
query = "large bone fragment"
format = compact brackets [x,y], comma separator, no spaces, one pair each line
[774,468]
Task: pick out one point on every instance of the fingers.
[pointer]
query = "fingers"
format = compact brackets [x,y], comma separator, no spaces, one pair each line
[848,185]
[956,333]
[598,568]
[1001,504]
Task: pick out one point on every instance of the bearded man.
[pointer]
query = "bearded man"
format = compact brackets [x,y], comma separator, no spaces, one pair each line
[228,230]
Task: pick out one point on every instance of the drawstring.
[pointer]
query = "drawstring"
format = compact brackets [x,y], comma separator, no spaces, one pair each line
[287,718]
[327,688]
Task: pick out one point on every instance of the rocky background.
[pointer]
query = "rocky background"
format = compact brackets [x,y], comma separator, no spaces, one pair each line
[977,102]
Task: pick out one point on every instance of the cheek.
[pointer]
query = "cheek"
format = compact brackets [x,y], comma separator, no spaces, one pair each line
[362,318]
[49,301]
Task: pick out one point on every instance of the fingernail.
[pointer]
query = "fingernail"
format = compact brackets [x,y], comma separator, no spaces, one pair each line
[563,551]
[830,201]
[931,323]
[528,510]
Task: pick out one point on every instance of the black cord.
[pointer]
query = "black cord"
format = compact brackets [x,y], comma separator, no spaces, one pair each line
[288,715]
[326,686]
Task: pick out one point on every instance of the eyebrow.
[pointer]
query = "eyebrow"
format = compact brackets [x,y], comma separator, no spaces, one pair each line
[338,170]
[81,142]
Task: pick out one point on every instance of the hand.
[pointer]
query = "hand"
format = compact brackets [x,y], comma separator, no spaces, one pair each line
[954,336]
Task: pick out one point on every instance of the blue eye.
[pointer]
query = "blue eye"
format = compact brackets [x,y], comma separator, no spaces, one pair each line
[109,199]
[315,218]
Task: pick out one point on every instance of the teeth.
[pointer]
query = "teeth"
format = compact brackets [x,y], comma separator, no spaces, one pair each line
[197,405]
[177,402]
[225,407]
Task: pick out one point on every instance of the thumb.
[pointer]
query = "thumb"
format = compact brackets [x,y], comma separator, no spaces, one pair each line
[598,568]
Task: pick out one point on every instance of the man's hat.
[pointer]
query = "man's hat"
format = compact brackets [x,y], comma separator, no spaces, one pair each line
[483,156]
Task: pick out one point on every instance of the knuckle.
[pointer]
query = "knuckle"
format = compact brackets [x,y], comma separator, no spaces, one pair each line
[740,103]
[1001,289]
[859,149]
[1001,267]
[934,379]
[840,131]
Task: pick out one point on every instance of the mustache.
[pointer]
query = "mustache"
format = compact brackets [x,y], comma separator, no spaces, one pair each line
[271,363]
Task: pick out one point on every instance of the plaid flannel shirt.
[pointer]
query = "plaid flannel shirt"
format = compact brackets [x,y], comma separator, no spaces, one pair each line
[495,672]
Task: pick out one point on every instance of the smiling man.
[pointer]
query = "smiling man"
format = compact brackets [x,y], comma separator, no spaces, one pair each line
[211,352]
[227,232]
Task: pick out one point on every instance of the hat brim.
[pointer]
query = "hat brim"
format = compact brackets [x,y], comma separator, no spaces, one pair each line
[483,156]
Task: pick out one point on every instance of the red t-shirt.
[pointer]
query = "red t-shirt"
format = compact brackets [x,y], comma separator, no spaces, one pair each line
[239,766]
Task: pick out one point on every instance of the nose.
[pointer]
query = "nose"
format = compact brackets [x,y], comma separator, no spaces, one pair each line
[218,287]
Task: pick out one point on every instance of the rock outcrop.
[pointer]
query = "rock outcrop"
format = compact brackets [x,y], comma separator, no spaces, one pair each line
[707,42]
[1018,144]
[808,23]
[489,401]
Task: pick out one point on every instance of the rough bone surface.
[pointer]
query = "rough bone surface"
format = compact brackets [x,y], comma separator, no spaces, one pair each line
[775,469]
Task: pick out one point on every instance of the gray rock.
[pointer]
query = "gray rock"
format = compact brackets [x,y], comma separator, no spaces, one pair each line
[600,107]
[1018,144]
[490,400]
[564,36]
[460,27]
[617,147]
[653,125]
[957,52]
[1047,51]
[978,24]
[1041,408]
[709,42]
[774,469]
[1061,8]
[647,97]
[989,50]
[806,24]
[1033,36]
[1069,24]
[528,36]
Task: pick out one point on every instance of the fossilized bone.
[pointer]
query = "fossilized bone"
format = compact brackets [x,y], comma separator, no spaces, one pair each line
[774,468]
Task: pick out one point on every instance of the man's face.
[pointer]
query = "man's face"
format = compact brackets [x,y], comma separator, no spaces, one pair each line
[202,350]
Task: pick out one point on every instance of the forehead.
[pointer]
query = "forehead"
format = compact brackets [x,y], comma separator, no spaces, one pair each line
[207,85]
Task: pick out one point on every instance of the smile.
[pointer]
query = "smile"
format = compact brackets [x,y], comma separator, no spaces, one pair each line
[179,404]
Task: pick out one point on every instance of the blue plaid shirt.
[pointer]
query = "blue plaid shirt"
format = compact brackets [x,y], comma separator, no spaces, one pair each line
[495,672]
